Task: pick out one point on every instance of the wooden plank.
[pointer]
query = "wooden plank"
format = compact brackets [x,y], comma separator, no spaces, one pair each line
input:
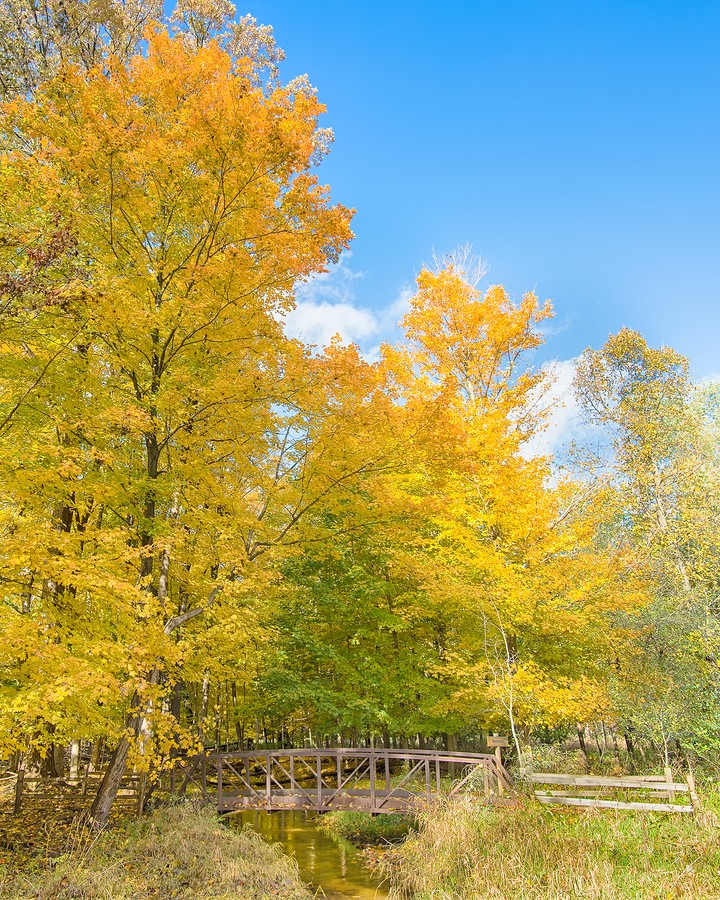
[615,804]
[606,781]
[589,793]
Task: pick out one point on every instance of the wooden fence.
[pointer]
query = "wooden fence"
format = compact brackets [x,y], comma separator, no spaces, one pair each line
[34,789]
[652,793]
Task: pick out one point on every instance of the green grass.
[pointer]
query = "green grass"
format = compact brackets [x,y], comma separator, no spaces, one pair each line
[178,852]
[363,829]
[465,851]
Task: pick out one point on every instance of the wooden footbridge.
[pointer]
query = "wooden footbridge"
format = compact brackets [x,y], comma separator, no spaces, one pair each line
[371,779]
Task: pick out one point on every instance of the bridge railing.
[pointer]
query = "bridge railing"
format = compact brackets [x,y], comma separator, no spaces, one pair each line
[342,778]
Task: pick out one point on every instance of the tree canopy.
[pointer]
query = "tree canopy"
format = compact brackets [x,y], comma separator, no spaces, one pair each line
[214,533]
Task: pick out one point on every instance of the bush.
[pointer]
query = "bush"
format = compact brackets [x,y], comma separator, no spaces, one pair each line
[362,829]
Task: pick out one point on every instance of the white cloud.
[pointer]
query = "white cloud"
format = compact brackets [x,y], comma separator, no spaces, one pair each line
[327,305]
[565,422]
[317,323]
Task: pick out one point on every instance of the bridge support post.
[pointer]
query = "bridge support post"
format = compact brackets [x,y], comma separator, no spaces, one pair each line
[373,772]
[319,781]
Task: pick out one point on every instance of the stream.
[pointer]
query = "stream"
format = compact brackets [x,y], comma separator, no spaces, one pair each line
[329,863]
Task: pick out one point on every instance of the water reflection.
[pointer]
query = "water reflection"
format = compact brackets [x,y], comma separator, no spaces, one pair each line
[324,861]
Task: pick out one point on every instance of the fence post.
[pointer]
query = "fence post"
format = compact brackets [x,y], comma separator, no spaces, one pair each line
[142,782]
[691,790]
[319,781]
[669,776]
[373,764]
[19,791]
[498,757]
[219,784]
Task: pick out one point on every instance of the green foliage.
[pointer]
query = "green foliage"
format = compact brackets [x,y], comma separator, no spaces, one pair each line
[665,478]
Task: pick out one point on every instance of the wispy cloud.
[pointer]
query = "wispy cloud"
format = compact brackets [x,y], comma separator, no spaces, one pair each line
[327,306]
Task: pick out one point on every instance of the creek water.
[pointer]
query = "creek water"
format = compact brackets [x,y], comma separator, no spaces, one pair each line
[331,865]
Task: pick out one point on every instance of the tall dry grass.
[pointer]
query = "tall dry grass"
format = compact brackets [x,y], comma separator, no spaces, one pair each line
[179,852]
[464,851]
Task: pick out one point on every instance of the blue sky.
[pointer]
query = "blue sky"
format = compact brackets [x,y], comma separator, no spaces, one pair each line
[573,144]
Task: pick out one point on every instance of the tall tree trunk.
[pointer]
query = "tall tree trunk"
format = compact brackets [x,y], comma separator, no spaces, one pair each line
[176,700]
[630,753]
[96,755]
[452,745]
[105,797]
[583,746]
[204,707]
[238,725]
[74,759]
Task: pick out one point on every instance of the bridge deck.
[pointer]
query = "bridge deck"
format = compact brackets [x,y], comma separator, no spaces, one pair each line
[385,801]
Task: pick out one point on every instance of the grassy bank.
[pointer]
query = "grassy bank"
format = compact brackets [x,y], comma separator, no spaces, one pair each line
[363,829]
[469,852]
[179,852]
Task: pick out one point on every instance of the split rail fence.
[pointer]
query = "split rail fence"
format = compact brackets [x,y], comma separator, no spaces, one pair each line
[43,791]
[651,793]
